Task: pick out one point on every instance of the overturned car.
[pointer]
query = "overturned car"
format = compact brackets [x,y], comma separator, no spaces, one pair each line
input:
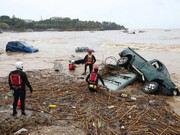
[154,73]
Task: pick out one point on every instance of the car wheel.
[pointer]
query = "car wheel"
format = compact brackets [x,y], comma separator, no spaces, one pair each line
[7,50]
[175,92]
[150,87]
[123,61]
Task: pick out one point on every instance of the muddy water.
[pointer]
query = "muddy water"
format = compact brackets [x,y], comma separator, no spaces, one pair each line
[60,46]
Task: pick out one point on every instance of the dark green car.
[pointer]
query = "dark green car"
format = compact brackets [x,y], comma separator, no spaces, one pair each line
[154,73]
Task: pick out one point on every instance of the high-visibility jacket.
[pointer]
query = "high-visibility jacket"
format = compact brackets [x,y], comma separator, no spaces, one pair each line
[89,59]
[71,66]
[93,80]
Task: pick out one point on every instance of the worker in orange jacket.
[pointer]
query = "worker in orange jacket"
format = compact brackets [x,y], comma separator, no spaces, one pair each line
[89,61]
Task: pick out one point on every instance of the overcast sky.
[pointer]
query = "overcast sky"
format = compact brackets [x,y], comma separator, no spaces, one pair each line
[130,13]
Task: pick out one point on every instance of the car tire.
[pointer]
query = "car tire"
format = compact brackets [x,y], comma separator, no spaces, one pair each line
[123,61]
[175,92]
[7,50]
[150,88]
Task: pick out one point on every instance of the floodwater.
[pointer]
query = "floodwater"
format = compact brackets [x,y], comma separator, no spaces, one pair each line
[163,45]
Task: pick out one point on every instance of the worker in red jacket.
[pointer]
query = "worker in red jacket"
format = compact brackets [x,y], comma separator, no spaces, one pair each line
[92,80]
[89,61]
[17,81]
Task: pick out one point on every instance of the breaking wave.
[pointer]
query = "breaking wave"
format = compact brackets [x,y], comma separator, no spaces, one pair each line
[169,48]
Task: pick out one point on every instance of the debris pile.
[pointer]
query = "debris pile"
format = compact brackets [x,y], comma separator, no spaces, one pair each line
[111,70]
[98,113]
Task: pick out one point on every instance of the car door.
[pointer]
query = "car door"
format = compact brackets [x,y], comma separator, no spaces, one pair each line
[20,47]
[13,46]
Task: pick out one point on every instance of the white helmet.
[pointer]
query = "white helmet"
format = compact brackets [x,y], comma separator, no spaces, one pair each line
[19,65]
[73,61]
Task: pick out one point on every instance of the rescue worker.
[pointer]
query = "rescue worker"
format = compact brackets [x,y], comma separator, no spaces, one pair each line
[71,65]
[89,61]
[17,81]
[92,80]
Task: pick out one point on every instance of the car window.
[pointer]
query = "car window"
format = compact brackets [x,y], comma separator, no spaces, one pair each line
[14,44]
[157,65]
[26,44]
[20,45]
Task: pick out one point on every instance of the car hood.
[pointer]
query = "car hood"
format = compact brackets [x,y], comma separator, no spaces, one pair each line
[34,49]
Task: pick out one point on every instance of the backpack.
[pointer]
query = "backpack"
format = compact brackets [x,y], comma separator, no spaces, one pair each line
[16,81]
[93,80]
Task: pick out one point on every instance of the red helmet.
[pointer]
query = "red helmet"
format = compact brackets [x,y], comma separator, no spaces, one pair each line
[95,68]
[89,51]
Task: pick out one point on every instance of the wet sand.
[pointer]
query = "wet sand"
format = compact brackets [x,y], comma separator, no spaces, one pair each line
[60,46]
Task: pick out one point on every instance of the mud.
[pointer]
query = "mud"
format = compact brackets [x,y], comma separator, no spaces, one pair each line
[82,112]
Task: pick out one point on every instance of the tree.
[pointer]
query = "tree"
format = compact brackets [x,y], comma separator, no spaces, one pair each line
[57,24]
[4,17]
[4,26]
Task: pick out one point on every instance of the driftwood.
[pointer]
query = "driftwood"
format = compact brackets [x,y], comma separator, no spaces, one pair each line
[95,113]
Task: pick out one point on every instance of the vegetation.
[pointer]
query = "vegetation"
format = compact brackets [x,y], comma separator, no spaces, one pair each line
[56,23]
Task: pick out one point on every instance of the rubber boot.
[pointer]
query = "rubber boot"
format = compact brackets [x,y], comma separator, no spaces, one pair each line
[14,112]
[23,113]
[84,73]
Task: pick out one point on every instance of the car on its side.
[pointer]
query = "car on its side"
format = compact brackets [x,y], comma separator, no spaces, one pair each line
[83,49]
[20,46]
[154,73]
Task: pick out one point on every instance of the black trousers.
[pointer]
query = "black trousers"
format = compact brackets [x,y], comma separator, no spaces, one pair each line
[91,89]
[19,94]
[90,67]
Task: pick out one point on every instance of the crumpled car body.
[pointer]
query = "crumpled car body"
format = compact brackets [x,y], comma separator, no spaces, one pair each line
[120,81]
[153,70]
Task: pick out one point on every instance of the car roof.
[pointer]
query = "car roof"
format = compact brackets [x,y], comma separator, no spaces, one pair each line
[15,41]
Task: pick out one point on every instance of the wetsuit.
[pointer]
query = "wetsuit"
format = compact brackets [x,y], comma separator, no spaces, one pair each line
[87,64]
[19,92]
[96,82]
